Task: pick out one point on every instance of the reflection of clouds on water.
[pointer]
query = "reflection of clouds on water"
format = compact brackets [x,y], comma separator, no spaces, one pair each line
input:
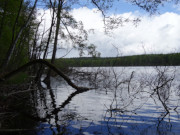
[131,107]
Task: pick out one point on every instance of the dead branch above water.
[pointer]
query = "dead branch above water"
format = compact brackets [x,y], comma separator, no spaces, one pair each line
[44,62]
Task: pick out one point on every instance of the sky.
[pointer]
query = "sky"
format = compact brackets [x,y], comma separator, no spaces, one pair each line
[158,33]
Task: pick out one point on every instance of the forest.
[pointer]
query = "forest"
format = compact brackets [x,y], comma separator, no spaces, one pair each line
[136,60]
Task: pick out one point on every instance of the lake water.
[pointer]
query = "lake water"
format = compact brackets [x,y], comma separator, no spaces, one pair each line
[123,101]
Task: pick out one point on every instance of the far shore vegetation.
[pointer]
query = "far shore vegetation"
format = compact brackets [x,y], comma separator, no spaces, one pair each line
[172,59]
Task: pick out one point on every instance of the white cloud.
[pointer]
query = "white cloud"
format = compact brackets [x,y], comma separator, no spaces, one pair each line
[156,34]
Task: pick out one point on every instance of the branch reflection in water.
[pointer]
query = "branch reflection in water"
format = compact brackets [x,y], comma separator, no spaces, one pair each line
[132,100]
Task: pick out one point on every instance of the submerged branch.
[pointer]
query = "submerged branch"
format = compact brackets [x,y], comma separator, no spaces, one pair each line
[66,78]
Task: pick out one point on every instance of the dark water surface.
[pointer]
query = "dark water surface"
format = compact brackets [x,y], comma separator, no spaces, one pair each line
[130,101]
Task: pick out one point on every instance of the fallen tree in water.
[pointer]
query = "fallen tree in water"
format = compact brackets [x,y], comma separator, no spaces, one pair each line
[44,62]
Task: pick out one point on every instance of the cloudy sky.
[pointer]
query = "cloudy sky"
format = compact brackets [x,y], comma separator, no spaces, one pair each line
[158,33]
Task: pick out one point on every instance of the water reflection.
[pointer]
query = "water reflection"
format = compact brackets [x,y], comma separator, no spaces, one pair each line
[139,101]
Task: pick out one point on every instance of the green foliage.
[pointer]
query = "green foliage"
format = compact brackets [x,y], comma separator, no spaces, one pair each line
[10,25]
[136,60]
[17,79]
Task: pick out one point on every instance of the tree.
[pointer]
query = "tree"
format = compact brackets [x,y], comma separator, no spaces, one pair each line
[18,16]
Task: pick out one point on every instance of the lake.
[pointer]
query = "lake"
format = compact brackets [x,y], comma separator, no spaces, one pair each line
[122,101]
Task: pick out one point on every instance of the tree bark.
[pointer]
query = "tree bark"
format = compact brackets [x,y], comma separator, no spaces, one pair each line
[60,3]
[50,32]
[39,74]
[57,30]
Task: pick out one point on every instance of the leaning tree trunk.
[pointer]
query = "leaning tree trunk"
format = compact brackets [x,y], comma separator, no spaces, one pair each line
[40,71]
[50,32]
[4,77]
[47,79]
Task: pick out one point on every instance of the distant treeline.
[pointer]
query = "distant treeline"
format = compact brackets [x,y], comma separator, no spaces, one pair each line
[135,60]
